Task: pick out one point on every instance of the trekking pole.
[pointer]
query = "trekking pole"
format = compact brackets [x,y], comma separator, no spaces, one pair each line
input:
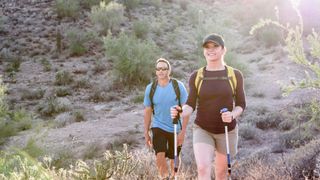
[227,144]
[175,123]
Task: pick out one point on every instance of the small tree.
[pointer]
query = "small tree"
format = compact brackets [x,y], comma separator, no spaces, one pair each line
[133,58]
[107,16]
[295,49]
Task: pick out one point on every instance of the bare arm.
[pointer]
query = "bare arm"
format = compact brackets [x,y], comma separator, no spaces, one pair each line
[147,123]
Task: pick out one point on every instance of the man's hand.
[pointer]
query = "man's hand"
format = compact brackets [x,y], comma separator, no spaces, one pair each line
[148,139]
[174,111]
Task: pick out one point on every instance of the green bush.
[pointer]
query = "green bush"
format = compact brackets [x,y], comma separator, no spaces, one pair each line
[32,94]
[141,29]
[82,83]
[78,116]
[248,132]
[269,121]
[46,64]
[270,36]
[232,59]
[14,122]
[33,149]
[133,59]
[51,106]
[89,3]
[63,91]
[63,78]
[130,4]
[107,16]
[67,8]
[13,65]
[296,138]
[77,41]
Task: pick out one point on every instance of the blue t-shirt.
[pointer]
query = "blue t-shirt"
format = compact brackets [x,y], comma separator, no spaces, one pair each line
[164,98]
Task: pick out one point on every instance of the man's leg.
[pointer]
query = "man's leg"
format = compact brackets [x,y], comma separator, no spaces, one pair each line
[160,146]
[162,165]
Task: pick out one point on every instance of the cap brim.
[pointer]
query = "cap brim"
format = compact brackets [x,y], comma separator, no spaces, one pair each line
[210,41]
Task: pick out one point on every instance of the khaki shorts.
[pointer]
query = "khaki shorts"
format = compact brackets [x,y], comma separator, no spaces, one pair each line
[218,141]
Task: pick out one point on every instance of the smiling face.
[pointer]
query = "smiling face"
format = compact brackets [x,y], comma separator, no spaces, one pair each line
[213,52]
[162,70]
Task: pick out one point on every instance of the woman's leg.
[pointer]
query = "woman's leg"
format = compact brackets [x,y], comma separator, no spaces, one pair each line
[204,155]
[221,165]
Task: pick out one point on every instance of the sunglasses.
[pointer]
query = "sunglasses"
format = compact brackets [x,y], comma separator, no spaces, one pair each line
[161,69]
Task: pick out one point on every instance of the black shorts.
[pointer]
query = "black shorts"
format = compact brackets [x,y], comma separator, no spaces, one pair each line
[163,141]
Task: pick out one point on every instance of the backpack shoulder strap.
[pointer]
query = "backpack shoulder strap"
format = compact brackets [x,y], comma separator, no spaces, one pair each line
[232,79]
[199,79]
[152,91]
[176,89]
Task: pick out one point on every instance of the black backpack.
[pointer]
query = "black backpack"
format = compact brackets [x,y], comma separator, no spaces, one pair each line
[176,90]
[154,87]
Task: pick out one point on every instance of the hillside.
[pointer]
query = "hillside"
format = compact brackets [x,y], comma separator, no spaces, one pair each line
[59,69]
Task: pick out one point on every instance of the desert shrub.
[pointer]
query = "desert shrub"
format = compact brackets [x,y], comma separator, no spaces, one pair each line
[82,83]
[269,121]
[77,41]
[295,46]
[67,8]
[133,59]
[270,36]
[141,29]
[13,122]
[138,98]
[87,4]
[91,150]
[62,91]
[78,116]
[286,125]
[32,94]
[13,65]
[253,12]
[98,95]
[256,166]
[248,132]
[32,149]
[63,78]
[63,158]
[130,4]
[314,109]
[118,143]
[46,64]
[114,11]
[51,106]
[303,160]
[232,59]
[296,137]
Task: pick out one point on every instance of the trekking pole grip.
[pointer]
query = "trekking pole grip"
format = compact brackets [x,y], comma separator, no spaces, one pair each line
[176,119]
